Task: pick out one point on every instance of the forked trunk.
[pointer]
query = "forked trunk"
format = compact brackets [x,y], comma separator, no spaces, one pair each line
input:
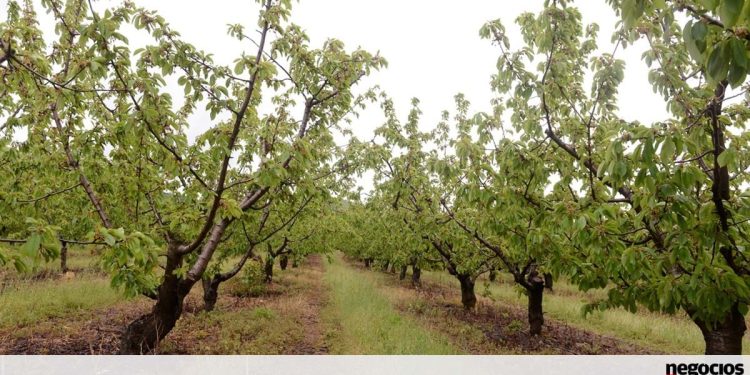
[144,334]
[725,337]
[416,275]
[536,313]
[210,292]
[468,298]
[402,274]
[283,262]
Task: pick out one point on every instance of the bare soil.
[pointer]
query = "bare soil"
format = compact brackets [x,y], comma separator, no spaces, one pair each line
[296,297]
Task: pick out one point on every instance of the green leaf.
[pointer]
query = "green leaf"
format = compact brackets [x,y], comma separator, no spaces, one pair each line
[581,223]
[632,10]
[31,246]
[726,157]
[706,212]
[694,35]
[739,52]
[730,11]
[108,238]
[718,63]
[667,150]
[739,66]
[239,67]
[709,4]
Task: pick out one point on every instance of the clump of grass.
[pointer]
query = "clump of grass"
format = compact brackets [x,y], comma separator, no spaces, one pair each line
[366,322]
[262,330]
[516,326]
[251,281]
[263,313]
[47,299]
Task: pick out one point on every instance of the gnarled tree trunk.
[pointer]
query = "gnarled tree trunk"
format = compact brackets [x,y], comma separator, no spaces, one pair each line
[210,292]
[468,298]
[283,262]
[725,337]
[144,334]
[536,313]
[416,275]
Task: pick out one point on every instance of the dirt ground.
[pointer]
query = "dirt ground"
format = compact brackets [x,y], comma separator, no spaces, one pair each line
[290,307]
[287,318]
[494,328]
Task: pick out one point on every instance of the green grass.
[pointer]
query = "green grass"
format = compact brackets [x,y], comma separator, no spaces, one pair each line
[366,322]
[41,300]
[670,334]
[257,331]
[80,261]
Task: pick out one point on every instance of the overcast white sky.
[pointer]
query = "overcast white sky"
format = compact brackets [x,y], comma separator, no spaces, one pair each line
[433,47]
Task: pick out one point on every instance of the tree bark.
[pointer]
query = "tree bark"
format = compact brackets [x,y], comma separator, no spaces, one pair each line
[210,293]
[725,337]
[284,262]
[468,298]
[402,274]
[64,257]
[268,269]
[416,275]
[548,281]
[144,334]
[536,313]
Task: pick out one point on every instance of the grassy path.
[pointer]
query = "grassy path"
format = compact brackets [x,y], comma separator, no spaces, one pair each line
[363,321]
[283,319]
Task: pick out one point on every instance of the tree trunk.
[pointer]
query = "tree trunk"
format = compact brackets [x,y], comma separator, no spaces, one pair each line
[416,275]
[210,293]
[283,262]
[536,314]
[493,276]
[548,281]
[144,334]
[268,269]
[402,274]
[724,338]
[64,257]
[367,262]
[468,298]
